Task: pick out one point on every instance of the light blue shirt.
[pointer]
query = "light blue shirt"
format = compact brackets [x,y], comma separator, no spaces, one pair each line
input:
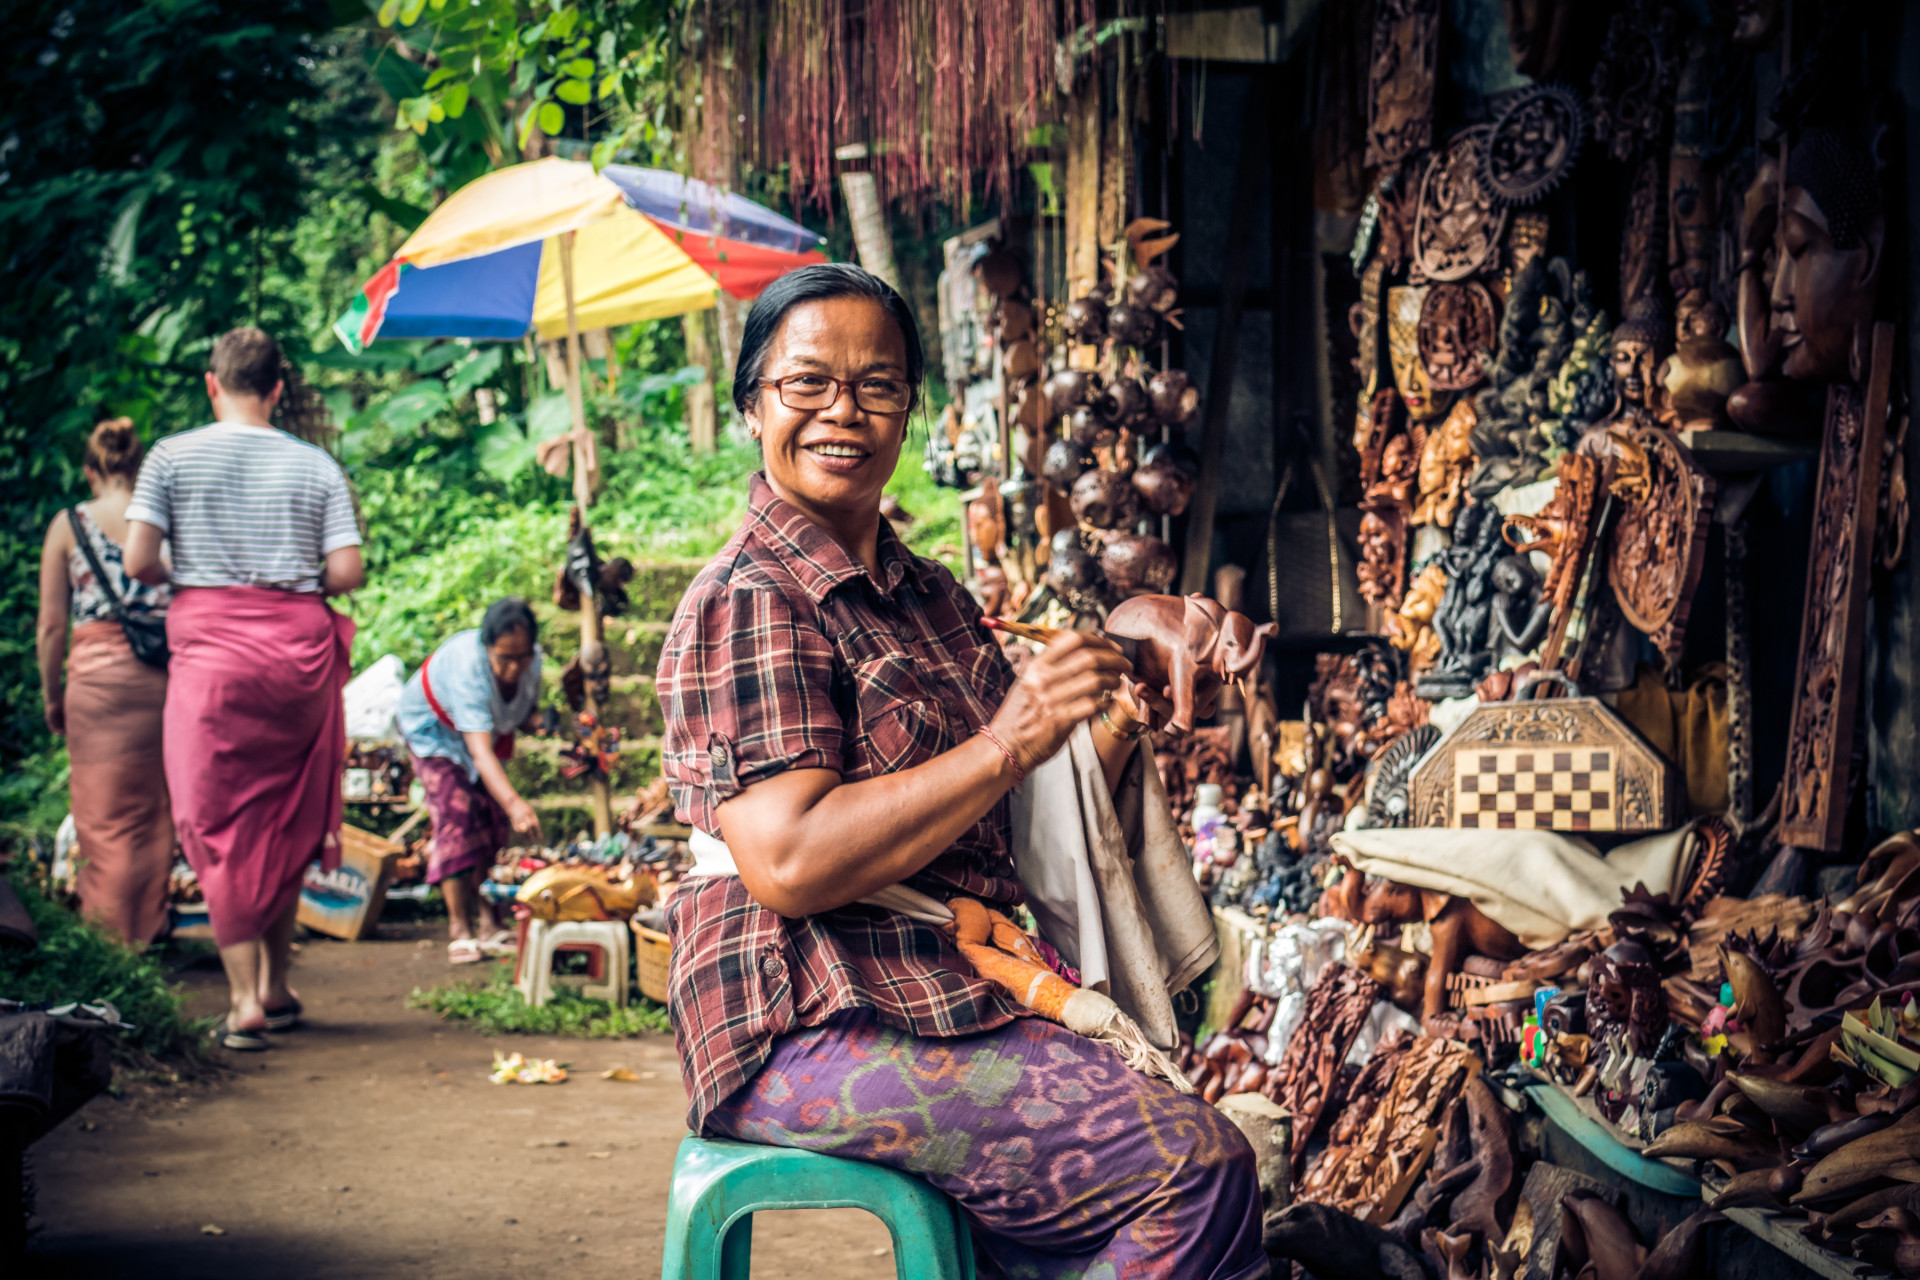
[464,686]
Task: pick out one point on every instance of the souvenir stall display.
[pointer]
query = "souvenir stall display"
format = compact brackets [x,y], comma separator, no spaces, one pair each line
[1507,867]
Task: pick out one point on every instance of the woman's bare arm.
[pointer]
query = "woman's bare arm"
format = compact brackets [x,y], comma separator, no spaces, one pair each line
[50,637]
[806,842]
[493,776]
[141,556]
[344,572]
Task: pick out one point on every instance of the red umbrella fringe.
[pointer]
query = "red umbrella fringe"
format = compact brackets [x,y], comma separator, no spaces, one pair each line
[939,91]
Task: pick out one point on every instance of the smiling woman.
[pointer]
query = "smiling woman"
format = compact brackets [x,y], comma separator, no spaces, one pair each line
[842,733]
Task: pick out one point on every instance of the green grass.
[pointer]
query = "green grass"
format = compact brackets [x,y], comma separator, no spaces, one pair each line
[496,1009]
[76,961]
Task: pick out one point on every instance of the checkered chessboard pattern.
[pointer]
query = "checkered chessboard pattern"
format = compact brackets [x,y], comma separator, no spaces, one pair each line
[1532,788]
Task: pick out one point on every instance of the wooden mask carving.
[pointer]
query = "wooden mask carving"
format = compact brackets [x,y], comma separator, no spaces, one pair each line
[1832,230]
[1417,392]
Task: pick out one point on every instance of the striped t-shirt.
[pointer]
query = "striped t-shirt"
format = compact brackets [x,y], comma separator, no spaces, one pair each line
[245,506]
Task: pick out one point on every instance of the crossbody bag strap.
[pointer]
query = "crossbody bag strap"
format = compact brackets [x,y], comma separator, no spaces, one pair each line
[502,742]
[93,559]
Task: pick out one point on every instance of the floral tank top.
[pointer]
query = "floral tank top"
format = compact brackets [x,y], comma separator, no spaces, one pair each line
[87,599]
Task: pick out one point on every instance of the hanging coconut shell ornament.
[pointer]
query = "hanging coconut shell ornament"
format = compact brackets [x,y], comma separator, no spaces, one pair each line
[1020,362]
[1155,288]
[1104,499]
[1087,428]
[1013,320]
[1164,488]
[1066,462]
[999,273]
[1086,319]
[1177,454]
[1124,402]
[1070,567]
[1136,564]
[1133,326]
[1030,409]
[1071,387]
[1175,399]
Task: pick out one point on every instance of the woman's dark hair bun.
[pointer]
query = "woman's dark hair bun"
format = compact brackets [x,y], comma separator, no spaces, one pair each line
[114,449]
[818,282]
[512,613]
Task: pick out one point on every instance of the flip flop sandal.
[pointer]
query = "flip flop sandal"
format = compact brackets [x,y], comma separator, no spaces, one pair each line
[464,951]
[499,945]
[284,1019]
[243,1041]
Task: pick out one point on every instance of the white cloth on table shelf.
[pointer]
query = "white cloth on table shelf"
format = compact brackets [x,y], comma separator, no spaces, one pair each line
[1541,885]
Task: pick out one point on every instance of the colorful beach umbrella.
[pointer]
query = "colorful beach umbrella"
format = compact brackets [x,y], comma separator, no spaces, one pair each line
[647,244]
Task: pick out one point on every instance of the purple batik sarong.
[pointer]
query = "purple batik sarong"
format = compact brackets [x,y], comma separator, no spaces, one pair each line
[1068,1163]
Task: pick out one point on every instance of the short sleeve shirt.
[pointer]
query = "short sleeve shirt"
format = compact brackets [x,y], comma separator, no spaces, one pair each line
[464,686]
[786,653]
[245,506]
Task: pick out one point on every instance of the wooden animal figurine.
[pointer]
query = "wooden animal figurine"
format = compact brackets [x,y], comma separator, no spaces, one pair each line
[1188,648]
[1906,1253]
[1756,1003]
[585,893]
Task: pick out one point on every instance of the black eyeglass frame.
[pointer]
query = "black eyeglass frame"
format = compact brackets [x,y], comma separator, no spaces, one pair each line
[839,385]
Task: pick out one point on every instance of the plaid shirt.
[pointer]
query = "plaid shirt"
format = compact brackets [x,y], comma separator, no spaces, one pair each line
[786,654]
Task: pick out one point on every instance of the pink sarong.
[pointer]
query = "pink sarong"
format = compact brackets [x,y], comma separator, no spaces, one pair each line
[255,738]
[118,784]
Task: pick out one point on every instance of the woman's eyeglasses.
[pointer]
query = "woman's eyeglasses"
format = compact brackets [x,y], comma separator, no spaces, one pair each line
[817,391]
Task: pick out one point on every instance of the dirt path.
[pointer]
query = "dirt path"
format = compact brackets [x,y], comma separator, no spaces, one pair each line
[370,1143]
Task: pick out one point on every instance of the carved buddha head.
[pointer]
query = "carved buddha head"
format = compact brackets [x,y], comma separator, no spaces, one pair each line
[1639,345]
[1833,229]
[1424,403]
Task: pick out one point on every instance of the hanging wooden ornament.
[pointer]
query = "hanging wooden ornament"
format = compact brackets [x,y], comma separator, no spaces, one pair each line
[1634,79]
[1532,144]
[1660,541]
[1457,332]
[1400,81]
[1457,229]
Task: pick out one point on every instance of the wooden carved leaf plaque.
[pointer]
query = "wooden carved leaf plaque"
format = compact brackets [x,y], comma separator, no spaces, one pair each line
[1458,228]
[1839,566]
[1660,544]
[1400,79]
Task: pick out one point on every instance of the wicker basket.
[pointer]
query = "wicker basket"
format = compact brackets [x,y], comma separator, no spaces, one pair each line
[652,952]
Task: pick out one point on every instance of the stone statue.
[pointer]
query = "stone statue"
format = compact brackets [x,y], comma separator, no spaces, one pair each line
[1545,313]
[1465,617]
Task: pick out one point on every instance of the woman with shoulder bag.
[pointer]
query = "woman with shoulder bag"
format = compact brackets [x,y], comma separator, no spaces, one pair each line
[109,701]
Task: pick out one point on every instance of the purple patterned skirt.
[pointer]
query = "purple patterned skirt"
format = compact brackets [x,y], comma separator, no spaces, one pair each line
[1068,1163]
[469,826]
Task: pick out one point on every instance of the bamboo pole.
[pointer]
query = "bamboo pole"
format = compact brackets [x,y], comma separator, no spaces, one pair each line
[600,799]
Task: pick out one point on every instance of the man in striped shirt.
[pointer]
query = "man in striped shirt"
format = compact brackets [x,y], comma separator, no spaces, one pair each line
[262,529]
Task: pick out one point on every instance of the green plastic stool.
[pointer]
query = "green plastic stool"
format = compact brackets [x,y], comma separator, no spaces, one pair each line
[718,1186]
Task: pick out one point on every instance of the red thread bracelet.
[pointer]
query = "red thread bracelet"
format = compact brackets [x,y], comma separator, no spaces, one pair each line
[1019,774]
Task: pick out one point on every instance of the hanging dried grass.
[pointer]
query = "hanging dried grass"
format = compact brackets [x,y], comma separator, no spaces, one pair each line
[938,90]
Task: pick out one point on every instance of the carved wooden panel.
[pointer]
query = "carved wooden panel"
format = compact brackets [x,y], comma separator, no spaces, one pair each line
[1457,229]
[1660,542]
[1400,80]
[1839,566]
[1643,791]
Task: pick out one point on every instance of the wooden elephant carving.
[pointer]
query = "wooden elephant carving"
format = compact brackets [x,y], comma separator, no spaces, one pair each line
[1188,647]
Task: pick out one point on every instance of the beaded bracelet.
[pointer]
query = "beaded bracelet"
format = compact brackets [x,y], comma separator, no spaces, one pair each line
[1019,774]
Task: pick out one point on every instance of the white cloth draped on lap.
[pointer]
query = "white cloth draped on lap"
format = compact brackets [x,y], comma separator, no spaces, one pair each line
[1541,885]
[1108,879]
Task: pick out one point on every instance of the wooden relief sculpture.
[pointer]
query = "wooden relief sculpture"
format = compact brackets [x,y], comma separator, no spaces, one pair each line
[1634,78]
[1456,334]
[1412,627]
[1692,201]
[1563,529]
[1365,322]
[1457,229]
[1537,31]
[1643,240]
[1532,145]
[1526,240]
[1445,464]
[1660,542]
[1406,60]
[1827,684]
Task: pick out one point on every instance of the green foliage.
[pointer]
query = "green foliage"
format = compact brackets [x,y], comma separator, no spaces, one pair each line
[76,961]
[497,1009]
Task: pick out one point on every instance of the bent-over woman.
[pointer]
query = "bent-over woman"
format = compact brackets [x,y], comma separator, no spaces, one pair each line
[838,719]
[458,715]
[107,702]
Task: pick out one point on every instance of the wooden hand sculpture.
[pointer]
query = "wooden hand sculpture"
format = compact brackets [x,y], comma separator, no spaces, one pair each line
[1189,647]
